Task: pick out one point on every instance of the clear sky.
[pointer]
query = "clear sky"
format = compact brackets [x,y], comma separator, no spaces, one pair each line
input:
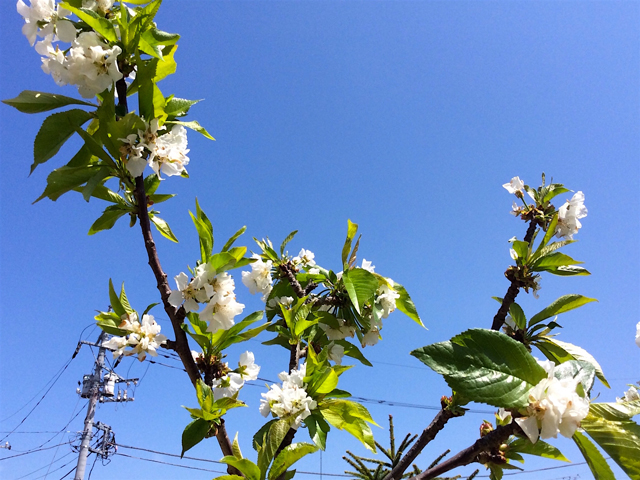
[406,117]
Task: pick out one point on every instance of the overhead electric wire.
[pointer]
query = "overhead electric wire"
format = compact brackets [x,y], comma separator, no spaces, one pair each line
[33,451]
[45,466]
[172,464]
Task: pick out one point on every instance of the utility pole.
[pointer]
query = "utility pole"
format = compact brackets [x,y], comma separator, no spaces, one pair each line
[98,389]
[94,392]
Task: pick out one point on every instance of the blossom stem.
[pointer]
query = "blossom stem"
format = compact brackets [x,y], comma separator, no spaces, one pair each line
[287,269]
[483,446]
[514,288]
[427,435]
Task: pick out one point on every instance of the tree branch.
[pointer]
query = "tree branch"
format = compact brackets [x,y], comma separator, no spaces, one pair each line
[427,435]
[514,288]
[487,444]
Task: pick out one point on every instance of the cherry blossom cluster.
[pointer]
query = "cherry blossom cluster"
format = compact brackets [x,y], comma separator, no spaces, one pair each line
[259,279]
[554,407]
[216,290]
[90,63]
[230,383]
[164,150]
[569,214]
[143,337]
[289,400]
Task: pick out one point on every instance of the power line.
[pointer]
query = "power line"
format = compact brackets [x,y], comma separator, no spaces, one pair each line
[56,378]
[43,467]
[34,451]
[172,464]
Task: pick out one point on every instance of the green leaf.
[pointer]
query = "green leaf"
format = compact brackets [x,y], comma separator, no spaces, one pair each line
[553,190]
[177,107]
[595,460]
[101,174]
[274,437]
[351,417]
[30,101]
[406,305]
[193,434]
[125,301]
[66,179]
[318,429]
[193,125]
[103,193]
[540,449]
[323,383]
[351,350]
[563,351]
[55,131]
[97,22]
[352,229]
[235,447]
[233,238]
[561,305]
[555,259]
[163,228]
[151,184]
[361,285]
[115,301]
[108,218]
[246,466]
[287,240]
[522,249]
[551,230]
[229,477]
[610,427]
[288,456]
[567,271]
[518,316]
[485,366]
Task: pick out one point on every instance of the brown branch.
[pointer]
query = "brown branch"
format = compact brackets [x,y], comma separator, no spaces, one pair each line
[514,288]
[287,269]
[181,344]
[479,450]
[427,435]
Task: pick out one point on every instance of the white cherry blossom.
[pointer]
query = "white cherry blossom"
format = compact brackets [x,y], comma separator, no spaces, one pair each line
[386,298]
[554,407]
[227,386]
[185,293]
[290,400]
[514,185]
[368,266]
[169,154]
[335,353]
[259,280]
[569,216]
[247,366]
[305,258]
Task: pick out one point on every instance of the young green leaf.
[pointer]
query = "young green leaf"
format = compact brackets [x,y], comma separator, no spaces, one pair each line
[361,286]
[518,316]
[55,131]
[108,218]
[177,107]
[595,460]
[29,101]
[611,428]
[406,305]
[249,469]
[561,305]
[66,179]
[352,229]
[163,228]
[233,238]
[193,125]
[98,23]
[193,434]
[115,301]
[540,449]
[289,237]
[288,456]
[555,259]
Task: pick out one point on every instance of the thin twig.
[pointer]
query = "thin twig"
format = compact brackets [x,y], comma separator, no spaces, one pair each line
[514,288]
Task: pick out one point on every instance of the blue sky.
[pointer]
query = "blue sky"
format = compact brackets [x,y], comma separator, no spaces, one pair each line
[406,117]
